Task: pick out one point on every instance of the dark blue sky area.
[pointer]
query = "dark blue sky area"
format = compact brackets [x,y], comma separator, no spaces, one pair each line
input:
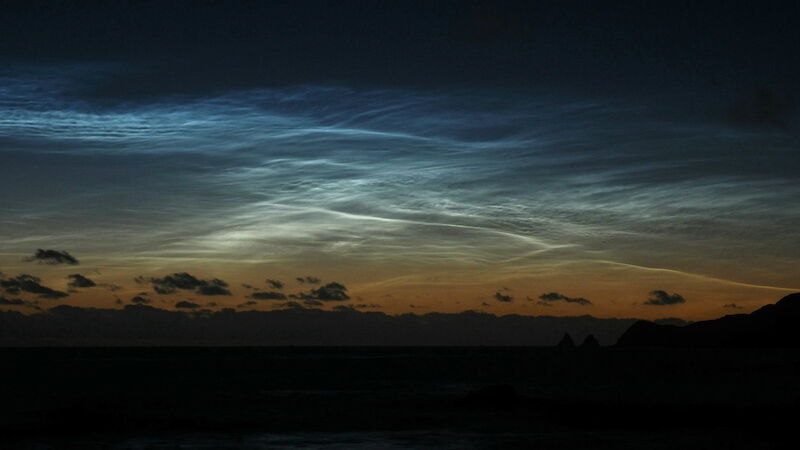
[596,46]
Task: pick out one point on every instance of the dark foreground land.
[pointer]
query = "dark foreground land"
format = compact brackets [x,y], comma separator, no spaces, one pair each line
[398,398]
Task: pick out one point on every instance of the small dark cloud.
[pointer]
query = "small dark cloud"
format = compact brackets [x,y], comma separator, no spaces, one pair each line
[544,303]
[140,300]
[77,280]
[30,284]
[275,284]
[662,298]
[12,301]
[731,305]
[52,257]
[268,296]
[344,308]
[186,305]
[308,279]
[246,304]
[213,290]
[331,292]
[555,297]
[503,297]
[248,286]
[170,284]
[312,302]
[291,305]
[367,305]
[111,287]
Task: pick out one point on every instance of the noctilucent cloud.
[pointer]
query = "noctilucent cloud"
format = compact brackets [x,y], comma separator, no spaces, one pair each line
[433,197]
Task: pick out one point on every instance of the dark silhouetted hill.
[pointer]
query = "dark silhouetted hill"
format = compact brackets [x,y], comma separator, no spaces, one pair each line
[145,325]
[773,325]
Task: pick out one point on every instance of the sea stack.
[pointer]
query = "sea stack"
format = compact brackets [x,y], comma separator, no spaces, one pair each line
[566,342]
[590,343]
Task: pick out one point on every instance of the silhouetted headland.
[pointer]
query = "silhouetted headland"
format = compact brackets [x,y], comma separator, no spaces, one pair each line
[773,325]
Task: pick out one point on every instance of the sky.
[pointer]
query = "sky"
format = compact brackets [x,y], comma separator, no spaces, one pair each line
[535,158]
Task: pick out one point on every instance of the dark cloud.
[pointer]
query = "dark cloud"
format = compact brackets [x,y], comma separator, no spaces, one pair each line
[249,286]
[170,284]
[275,284]
[662,298]
[503,297]
[331,292]
[762,108]
[77,280]
[12,301]
[367,305]
[186,305]
[213,290]
[30,284]
[555,297]
[544,303]
[291,305]
[308,279]
[312,302]
[248,303]
[731,305]
[140,300]
[344,308]
[268,296]
[52,257]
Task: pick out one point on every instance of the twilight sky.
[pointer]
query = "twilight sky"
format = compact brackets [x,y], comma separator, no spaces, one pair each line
[430,156]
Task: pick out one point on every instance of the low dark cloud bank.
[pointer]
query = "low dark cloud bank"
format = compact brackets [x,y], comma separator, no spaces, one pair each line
[295,325]
[30,284]
[170,284]
[53,257]
[548,298]
[663,298]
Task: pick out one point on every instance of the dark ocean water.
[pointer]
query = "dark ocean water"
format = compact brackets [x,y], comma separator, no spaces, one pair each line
[409,398]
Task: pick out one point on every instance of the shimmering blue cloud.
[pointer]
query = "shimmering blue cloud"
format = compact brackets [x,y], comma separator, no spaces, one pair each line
[523,181]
